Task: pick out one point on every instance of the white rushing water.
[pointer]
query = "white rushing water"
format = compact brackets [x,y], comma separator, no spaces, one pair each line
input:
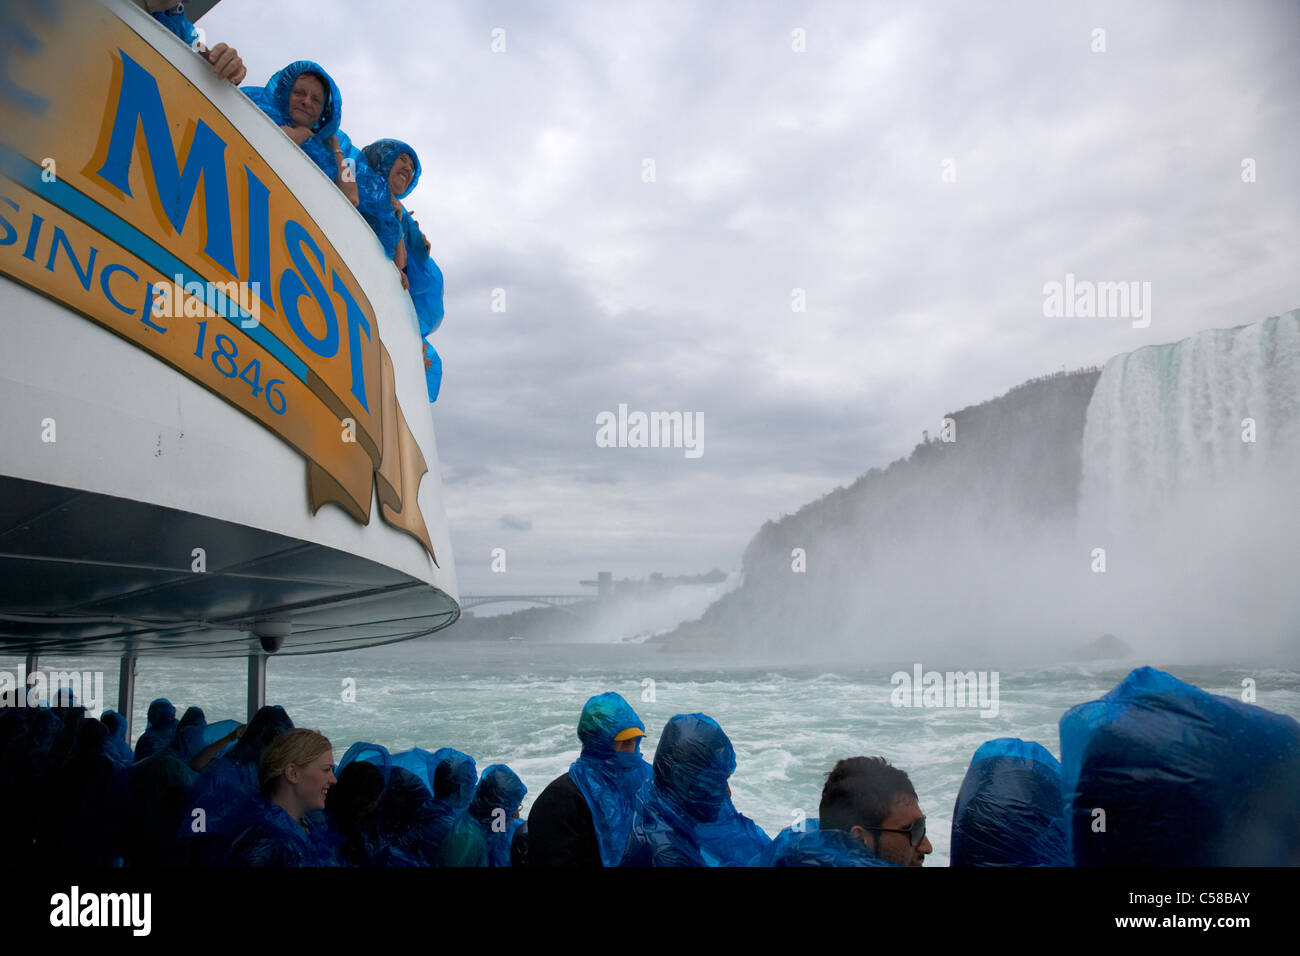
[1191,464]
[518,704]
[1212,412]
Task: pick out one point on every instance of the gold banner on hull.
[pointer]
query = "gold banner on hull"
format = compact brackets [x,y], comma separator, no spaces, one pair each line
[127,196]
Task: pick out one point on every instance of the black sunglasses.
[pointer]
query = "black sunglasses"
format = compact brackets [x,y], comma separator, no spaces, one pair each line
[916,832]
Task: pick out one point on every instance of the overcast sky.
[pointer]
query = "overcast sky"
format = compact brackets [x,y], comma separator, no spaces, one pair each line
[827,171]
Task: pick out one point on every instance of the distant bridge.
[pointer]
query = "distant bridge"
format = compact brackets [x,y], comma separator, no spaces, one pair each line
[468,601]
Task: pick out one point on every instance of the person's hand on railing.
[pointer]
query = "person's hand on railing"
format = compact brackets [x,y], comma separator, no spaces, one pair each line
[299,134]
[226,63]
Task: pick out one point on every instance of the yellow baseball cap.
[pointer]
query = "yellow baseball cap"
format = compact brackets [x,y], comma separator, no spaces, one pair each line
[629,734]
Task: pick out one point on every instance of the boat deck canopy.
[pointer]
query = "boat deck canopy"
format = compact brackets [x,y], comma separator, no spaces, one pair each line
[90,574]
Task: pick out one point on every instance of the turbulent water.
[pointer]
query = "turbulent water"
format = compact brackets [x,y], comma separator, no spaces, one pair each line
[518,703]
[1197,527]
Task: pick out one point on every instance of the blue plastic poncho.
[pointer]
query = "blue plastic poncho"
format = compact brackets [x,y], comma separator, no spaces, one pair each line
[381,820]
[87,823]
[266,835]
[684,815]
[461,773]
[231,781]
[273,100]
[609,780]
[814,846]
[1009,810]
[482,834]
[118,746]
[453,788]
[174,19]
[375,200]
[373,164]
[416,761]
[1183,778]
[161,788]
[162,724]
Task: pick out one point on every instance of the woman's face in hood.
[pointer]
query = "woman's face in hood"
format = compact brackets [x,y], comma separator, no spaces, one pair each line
[306,100]
[399,177]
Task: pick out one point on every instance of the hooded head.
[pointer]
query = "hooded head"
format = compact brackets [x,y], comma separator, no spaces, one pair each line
[499,788]
[380,156]
[92,737]
[454,777]
[161,714]
[606,717]
[692,763]
[280,88]
[188,739]
[115,724]
[609,777]
[267,724]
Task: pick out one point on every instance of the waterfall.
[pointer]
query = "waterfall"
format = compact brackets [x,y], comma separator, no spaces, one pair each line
[1191,467]
[1168,419]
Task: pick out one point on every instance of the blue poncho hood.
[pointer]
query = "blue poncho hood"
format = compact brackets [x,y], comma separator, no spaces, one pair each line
[1009,811]
[118,748]
[380,156]
[499,795]
[373,163]
[1186,778]
[498,789]
[267,724]
[607,779]
[273,100]
[162,724]
[684,815]
[162,714]
[463,771]
[692,763]
[187,742]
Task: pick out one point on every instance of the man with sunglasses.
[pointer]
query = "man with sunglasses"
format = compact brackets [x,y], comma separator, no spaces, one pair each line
[876,805]
[868,816]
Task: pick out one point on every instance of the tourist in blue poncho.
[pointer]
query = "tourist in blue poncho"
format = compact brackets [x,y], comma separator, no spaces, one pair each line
[454,777]
[684,815]
[296,773]
[118,747]
[225,60]
[162,724]
[1009,810]
[229,784]
[306,104]
[87,822]
[386,172]
[160,788]
[583,817]
[231,779]
[482,834]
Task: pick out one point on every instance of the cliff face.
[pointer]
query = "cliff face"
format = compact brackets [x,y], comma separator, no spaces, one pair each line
[916,542]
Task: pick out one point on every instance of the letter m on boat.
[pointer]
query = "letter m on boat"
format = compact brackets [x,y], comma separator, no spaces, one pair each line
[139,110]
